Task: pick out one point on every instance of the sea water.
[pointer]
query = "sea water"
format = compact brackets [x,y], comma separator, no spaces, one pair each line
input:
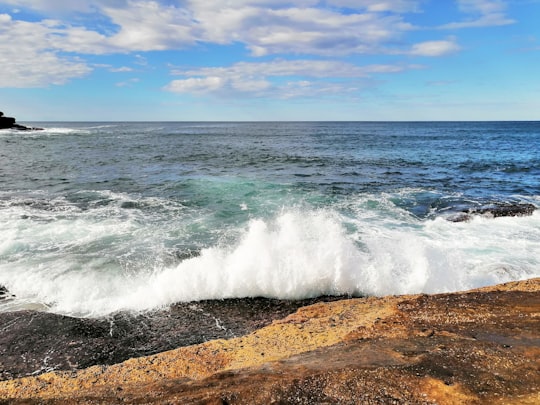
[101,217]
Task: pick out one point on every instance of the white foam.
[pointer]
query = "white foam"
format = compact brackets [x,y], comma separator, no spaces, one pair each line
[298,254]
[46,131]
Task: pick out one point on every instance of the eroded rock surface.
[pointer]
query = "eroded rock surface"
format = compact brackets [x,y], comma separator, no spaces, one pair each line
[481,346]
[34,342]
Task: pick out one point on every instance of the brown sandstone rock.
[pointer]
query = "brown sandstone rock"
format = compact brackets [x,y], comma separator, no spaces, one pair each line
[481,346]
[34,342]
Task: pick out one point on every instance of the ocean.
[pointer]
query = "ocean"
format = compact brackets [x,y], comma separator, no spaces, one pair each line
[97,218]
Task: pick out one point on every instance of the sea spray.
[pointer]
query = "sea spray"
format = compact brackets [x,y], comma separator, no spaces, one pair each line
[101,217]
[297,254]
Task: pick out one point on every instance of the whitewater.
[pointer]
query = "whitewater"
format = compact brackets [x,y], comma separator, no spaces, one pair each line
[97,218]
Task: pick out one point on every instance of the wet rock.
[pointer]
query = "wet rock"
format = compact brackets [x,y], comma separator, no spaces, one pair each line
[36,342]
[5,295]
[33,342]
[494,211]
[477,347]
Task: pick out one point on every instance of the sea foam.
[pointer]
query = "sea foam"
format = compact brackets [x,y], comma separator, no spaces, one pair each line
[297,254]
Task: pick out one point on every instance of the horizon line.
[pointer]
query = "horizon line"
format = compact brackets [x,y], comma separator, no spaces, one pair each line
[291,121]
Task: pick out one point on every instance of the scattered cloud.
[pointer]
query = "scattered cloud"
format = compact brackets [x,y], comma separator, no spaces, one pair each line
[289,28]
[280,67]
[279,78]
[435,48]
[121,69]
[128,83]
[396,6]
[196,84]
[150,26]
[71,7]
[436,83]
[483,13]
[52,6]
[29,60]
[141,60]
[329,29]
[264,27]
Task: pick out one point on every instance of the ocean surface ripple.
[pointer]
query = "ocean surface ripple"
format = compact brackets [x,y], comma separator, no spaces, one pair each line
[101,217]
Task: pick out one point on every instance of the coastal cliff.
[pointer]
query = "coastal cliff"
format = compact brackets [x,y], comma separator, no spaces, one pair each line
[480,346]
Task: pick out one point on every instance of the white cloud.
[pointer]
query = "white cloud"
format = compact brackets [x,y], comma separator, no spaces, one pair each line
[49,5]
[77,39]
[279,78]
[84,6]
[121,69]
[481,6]
[141,26]
[128,83]
[196,85]
[27,58]
[137,25]
[250,85]
[318,89]
[308,27]
[486,13]
[279,67]
[328,28]
[288,28]
[64,7]
[378,5]
[147,26]
[436,83]
[434,48]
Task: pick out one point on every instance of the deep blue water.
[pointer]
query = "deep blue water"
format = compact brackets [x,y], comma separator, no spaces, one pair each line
[94,215]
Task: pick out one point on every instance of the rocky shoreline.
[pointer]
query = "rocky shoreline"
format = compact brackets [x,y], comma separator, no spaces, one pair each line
[10,123]
[34,342]
[480,346]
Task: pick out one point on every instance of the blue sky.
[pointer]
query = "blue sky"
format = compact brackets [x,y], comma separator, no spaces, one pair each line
[190,60]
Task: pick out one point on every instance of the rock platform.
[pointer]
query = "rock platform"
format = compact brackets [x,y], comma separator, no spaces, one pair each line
[475,347]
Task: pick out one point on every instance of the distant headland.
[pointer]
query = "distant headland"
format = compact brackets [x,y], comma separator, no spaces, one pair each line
[10,123]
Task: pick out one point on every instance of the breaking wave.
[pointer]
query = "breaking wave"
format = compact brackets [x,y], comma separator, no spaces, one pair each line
[297,254]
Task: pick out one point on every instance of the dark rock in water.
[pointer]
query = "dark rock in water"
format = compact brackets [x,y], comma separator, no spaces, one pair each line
[495,211]
[32,342]
[129,205]
[187,253]
[6,122]
[4,293]
[23,128]
[9,123]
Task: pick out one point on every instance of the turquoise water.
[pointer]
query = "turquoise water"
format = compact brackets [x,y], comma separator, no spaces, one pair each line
[101,217]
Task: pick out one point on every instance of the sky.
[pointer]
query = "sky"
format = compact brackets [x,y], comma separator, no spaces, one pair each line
[271,60]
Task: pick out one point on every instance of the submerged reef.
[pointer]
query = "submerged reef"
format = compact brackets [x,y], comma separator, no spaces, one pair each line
[475,347]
